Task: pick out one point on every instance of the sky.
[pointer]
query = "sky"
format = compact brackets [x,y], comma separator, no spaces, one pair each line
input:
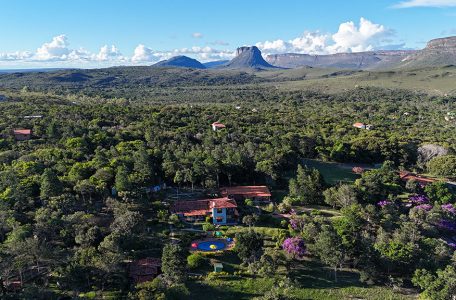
[102,33]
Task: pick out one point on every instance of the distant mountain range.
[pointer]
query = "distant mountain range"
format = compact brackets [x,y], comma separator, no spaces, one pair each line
[246,58]
[438,52]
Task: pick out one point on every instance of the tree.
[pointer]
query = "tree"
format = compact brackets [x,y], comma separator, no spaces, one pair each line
[443,166]
[295,247]
[438,192]
[307,186]
[250,220]
[143,165]
[441,286]
[50,185]
[349,227]
[377,184]
[123,183]
[249,246]
[173,264]
[340,196]
[195,260]
[328,247]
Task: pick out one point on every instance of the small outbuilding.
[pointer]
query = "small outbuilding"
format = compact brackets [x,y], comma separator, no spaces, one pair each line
[217,126]
[218,267]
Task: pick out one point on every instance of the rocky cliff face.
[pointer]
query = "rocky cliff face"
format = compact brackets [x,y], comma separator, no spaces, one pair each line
[438,52]
[248,58]
[442,44]
[354,61]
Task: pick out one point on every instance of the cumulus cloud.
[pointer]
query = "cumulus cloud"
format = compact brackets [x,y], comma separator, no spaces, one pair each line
[109,53]
[425,3]
[349,38]
[57,49]
[197,35]
[143,54]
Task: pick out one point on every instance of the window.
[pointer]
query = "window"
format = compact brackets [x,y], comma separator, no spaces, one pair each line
[219,210]
[219,219]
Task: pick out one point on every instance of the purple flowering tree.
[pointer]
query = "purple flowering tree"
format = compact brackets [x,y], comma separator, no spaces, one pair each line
[449,208]
[418,199]
[297,223]
[294,247]
[426,207]
[384,203]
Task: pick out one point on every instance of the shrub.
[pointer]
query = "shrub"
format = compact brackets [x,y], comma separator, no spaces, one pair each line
[195,260]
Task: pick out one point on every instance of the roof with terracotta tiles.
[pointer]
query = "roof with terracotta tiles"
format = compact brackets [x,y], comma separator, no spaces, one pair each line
[247,191]
[201,207]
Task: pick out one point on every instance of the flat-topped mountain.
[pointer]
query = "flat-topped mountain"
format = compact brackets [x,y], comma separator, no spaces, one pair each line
[248,58]
[180,62]
[354,61]
[438,52]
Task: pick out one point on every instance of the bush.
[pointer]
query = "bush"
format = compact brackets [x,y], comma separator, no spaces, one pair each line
[195,260]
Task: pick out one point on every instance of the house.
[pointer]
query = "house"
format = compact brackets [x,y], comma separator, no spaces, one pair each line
[22,134]
[359,125]
[223,211]
[363,126]
[145,269]
[240,193]
[406,176]
[217,126]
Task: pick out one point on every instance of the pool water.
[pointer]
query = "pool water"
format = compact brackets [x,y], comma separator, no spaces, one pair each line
[206,246]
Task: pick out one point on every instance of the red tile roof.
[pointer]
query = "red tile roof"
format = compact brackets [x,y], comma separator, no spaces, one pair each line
[247,191]
[201,207]
[218,125]
[145,269]
[410,176]
[22,131]
[358,125]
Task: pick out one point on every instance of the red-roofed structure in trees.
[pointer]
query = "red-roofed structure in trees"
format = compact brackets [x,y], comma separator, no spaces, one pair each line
[222,210]
[240,193]
[22,134]
[406,176]
[217,126]
[145,269]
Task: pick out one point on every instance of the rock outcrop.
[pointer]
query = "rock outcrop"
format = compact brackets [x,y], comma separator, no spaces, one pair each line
[248,58]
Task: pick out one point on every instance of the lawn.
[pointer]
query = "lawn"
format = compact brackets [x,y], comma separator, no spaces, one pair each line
[309,279]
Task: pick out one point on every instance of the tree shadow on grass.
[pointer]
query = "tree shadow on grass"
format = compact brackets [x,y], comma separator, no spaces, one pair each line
[316,275]
[200,290]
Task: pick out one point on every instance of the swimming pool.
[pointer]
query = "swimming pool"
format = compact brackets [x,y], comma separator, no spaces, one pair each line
[208,246]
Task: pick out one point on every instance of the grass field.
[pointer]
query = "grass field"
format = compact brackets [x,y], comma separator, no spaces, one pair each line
[309,280]
[435,81]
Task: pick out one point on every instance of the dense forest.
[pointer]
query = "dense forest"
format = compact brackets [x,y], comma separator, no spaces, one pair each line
[77,204]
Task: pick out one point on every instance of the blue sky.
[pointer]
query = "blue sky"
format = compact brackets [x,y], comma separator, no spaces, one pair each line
[94,33]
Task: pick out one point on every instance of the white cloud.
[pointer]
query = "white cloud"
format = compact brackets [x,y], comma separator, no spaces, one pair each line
[143,54]
[57,49]
[349,38]
[425,3]
[197,35]
[109,53]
